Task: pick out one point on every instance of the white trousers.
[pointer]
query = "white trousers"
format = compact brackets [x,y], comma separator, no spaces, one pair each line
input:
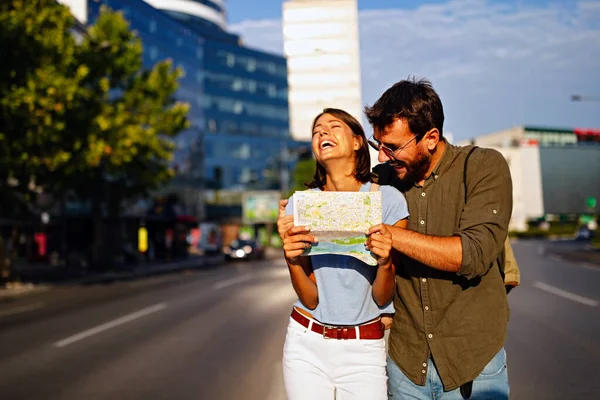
[315,368]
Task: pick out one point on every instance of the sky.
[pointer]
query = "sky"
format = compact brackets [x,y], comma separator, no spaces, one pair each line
[495,64]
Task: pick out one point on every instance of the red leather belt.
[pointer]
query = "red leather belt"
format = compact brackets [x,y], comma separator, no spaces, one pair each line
[372,330]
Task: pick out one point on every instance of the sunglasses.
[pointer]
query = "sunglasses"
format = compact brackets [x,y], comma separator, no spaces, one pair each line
[390,153]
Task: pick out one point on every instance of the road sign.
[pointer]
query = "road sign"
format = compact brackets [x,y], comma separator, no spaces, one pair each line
[260,207]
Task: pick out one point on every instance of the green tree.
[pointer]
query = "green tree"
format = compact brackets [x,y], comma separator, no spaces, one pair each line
[88,120]
[129,145]
[303,173]
[39,88]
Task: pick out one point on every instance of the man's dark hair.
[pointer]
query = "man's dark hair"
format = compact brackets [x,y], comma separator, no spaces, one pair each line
[362,170]
[411,99]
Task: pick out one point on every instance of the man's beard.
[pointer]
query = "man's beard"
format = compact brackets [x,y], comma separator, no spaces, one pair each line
[415,172]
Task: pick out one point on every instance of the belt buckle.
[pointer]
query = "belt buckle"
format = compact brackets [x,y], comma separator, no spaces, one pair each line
[338,332]
[325,327]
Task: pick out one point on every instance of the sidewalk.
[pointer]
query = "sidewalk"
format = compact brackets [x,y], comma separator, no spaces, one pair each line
[49,276]
[46,276]
[13,290]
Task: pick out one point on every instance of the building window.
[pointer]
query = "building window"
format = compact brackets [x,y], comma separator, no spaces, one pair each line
[245,175]
[242,152]
[238,108]
[251,66]
[153,53]
[212,126]
[205,101]
[152,27]
[230,60]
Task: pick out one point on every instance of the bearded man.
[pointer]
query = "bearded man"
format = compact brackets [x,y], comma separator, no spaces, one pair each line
[448,331]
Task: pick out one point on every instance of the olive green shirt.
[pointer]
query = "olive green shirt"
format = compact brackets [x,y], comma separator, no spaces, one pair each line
[458,319]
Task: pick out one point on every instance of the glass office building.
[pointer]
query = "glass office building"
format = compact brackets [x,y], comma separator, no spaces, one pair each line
[239,138]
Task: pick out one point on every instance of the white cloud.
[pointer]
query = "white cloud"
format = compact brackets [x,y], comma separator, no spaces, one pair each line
[494,65]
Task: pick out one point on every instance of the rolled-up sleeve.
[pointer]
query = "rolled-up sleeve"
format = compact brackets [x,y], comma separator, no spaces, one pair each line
[484,221]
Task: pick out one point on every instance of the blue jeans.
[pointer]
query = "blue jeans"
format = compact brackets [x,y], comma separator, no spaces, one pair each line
[491,384]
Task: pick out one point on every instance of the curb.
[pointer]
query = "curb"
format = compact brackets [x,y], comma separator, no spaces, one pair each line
[16,290]
[194,263]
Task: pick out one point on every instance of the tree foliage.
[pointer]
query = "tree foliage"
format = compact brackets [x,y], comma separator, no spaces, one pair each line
[304,172]
[39,88]
[129,135]
[80,116]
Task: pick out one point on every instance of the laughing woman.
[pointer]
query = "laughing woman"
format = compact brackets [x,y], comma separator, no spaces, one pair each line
[334,346]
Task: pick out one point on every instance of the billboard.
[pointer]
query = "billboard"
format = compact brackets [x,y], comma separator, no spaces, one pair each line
[260,207]
[570,178]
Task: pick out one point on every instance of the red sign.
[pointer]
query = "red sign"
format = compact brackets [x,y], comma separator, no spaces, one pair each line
[195,233]
[588,132]
[40,239]
[529,142]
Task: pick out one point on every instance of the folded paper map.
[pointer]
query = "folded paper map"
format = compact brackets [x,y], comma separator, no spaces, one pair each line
[339,220]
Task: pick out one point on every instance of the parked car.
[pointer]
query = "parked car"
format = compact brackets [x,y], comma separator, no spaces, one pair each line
[244,249]
[584,233]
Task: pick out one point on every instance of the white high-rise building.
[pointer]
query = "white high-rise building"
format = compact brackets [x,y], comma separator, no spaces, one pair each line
[322,48]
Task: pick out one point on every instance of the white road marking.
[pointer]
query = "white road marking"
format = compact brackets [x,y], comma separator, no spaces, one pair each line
[153,281]
[22,309]
[569,264]
[590,266]
[232,281]
[111,324]
[567,295]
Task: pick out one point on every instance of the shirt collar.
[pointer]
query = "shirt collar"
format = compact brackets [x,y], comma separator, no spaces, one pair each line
[443,164]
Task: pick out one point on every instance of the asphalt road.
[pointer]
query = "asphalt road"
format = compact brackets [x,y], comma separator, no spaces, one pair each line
[553,341]
[218,334]
[213,334]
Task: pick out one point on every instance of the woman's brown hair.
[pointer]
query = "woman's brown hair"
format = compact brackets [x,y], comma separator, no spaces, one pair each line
[362,169]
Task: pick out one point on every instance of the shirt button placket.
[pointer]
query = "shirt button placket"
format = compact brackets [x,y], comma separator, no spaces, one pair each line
[422,228]
[422,214]
[427,317]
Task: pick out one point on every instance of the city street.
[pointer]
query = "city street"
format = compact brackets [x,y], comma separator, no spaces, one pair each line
[218,333]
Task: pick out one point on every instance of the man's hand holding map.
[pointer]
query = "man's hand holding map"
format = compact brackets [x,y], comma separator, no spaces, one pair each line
[340,221]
